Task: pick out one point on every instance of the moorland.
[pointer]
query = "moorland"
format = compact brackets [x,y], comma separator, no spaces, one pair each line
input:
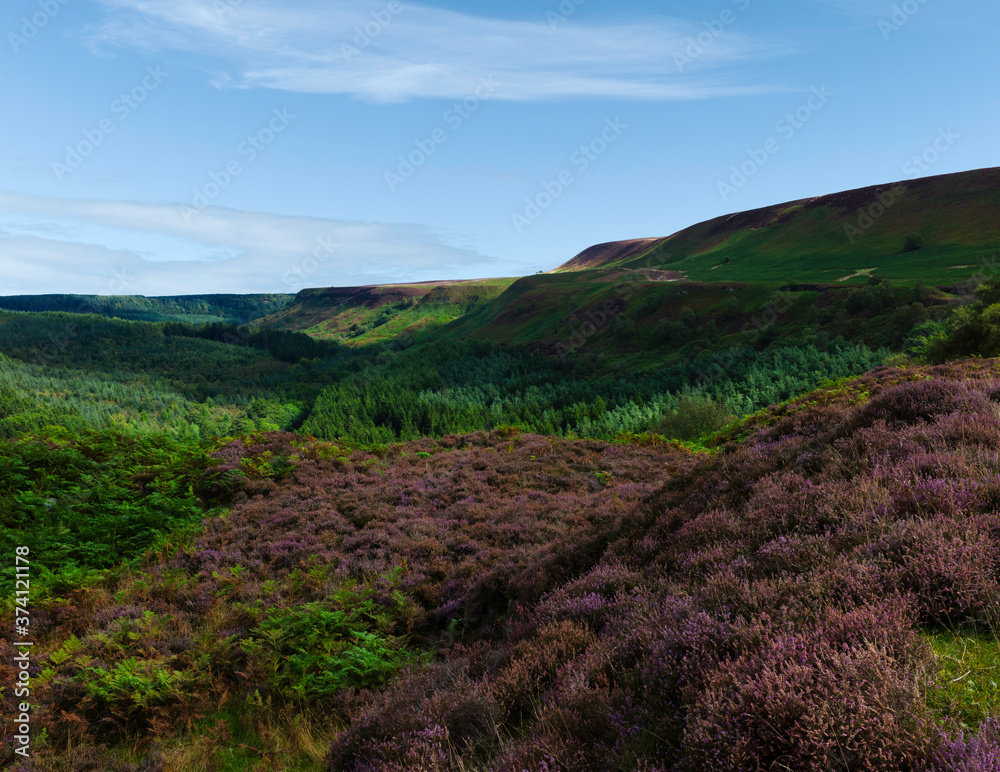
[726,500]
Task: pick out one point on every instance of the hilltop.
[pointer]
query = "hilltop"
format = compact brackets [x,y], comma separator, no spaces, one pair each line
[951,222]
[868,266]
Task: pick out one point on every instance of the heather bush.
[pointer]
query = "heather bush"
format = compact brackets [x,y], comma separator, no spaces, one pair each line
[979,752]
[422,715]
[661,653]
[841,696]
[531,666]
[592,599]
[950,567]
[581,605]
[922,401]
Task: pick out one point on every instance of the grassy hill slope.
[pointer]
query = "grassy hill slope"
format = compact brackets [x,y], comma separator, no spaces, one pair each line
[361,315]
[805,270]
[611,315]
[842,237]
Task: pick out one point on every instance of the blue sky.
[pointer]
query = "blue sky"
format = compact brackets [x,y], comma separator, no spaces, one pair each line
[192,146]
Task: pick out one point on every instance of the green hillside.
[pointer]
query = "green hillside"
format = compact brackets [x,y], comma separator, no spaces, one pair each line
[363,315]
[612,318]
[871,266]
[935,230]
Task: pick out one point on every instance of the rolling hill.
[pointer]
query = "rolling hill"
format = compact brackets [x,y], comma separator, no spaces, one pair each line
[812,265]
[361,315]
[953,221]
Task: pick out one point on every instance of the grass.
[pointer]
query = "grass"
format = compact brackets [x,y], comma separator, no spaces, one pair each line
[367,315]
[253,737]
[239,737]
[968,687]
[567,314]
[810,241]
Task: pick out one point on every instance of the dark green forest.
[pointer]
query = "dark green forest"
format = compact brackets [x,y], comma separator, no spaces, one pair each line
[195,309]
[219,380]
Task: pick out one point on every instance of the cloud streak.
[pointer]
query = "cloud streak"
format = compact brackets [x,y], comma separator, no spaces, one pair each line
[120,247]
[364,50]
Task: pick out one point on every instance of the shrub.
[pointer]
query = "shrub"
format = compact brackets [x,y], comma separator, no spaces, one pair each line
[922,401]
[318,649]
[913,242]
[419,718]
[974,753]
[531,666]
[842,696]
[694,417]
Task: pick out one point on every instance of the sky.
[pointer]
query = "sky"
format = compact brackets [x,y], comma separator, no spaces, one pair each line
[163,147]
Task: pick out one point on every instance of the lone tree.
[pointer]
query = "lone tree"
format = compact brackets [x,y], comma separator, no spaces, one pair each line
[913,242]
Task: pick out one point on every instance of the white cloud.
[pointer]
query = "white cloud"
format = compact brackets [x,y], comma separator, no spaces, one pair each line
[422,52]
[120,247]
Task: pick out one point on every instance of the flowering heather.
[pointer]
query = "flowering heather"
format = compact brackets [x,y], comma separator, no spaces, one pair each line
[976,753]
[334,568]
[763,610]
[530,603]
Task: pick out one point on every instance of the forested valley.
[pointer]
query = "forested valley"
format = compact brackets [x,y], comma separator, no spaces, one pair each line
[252,548]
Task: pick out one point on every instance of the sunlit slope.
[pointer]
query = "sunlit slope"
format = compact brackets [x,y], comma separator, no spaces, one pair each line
[363,315]
[953,222]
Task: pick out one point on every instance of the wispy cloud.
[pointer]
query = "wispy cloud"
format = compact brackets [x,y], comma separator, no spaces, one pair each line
[362,49]
[120,247]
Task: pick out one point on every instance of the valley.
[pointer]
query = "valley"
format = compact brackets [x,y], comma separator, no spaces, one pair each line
[576,520]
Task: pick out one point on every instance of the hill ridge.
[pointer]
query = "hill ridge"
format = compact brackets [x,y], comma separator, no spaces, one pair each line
[958,211]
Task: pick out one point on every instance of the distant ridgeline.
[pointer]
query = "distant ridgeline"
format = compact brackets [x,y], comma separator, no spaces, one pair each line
[194,309]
